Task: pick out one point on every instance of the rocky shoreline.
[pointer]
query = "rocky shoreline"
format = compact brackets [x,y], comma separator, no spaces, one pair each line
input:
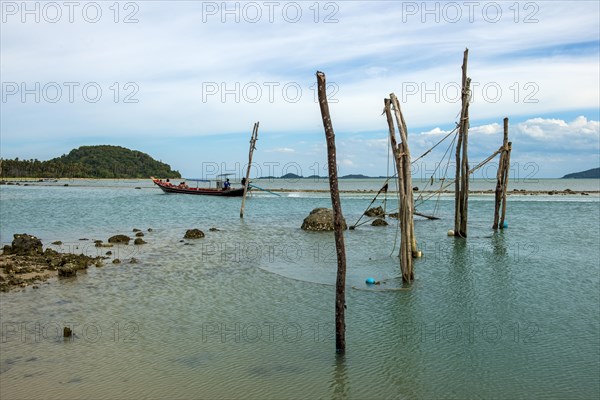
[25,263]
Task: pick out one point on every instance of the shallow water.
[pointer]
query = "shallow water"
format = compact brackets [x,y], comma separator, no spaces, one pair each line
[247,311]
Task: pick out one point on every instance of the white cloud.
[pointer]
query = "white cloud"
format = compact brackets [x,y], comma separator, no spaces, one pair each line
[284,150]
[562,132]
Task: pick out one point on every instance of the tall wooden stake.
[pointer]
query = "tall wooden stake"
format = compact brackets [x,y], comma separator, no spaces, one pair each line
[408,243]
[340,285]
[407,173]
[506,173]
[502,179]
[461,194]
[253,140]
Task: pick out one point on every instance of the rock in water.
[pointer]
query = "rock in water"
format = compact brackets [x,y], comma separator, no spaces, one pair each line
[379,222]
[320,219]
[374,212]
[193,234]
[67,270]
[139,241]
[24,245]
[124,239]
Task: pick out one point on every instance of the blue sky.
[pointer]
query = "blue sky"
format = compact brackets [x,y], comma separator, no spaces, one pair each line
[185,81]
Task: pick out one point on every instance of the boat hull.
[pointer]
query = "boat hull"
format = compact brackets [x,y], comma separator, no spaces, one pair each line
[199,191]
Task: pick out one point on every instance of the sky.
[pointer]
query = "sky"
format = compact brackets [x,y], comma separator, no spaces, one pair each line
[184,81]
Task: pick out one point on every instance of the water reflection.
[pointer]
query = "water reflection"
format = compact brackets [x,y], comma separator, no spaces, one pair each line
[339,377]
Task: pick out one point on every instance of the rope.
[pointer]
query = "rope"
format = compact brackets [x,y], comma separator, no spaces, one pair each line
[435,145]
[436,168]
[383,188]
[437,202]
[264,190]
[481,164]
[420,199]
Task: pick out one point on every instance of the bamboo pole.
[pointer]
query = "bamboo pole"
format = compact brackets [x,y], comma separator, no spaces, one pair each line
[253,140]
[340,285]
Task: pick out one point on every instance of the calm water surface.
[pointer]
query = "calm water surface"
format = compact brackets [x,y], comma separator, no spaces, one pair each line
[247,311]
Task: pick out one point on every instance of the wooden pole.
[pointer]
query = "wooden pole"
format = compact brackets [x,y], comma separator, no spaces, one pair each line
[461,194]
[340,285]
[506,173]
[408,242]
[407,174]
[405,259]
[500,195]
[465,162]
[502,180]
[253,140]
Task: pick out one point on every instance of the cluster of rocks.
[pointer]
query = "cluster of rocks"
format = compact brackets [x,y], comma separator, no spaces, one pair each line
[566,191]
[379,213]
[25,262]
[375,212]
[321,219]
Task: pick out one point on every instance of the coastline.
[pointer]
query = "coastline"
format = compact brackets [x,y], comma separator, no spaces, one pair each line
[69,182]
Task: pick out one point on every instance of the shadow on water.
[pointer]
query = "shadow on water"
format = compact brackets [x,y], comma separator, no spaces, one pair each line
[339,377]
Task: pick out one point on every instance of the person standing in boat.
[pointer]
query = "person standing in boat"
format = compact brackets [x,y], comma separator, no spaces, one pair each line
[244,181]
[226,184]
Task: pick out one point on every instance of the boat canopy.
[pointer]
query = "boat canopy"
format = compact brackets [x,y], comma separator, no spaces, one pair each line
[197,180]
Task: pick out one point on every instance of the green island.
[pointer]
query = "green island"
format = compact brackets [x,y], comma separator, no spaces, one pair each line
[593,173]
[100,162]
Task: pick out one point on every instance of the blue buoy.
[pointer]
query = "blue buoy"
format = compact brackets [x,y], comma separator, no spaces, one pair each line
[370,281]
[505,225]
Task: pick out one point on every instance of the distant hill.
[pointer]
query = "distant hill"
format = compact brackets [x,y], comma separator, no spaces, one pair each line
[291,176]
[355,176]
[102,161]
[593,173]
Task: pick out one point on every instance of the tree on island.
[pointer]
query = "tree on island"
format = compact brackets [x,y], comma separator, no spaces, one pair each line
[102,162]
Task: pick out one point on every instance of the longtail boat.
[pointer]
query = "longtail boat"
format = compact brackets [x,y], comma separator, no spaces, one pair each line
[183,188]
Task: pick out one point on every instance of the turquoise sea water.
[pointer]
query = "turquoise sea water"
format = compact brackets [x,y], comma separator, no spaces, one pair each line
[247,311]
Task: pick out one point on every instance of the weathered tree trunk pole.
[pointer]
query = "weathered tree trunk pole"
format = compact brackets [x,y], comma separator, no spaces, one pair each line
[253,140]
[500,194]
[506,173]
[407,174]
[461,195]
[406,262]
[340,285]
[408,243]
